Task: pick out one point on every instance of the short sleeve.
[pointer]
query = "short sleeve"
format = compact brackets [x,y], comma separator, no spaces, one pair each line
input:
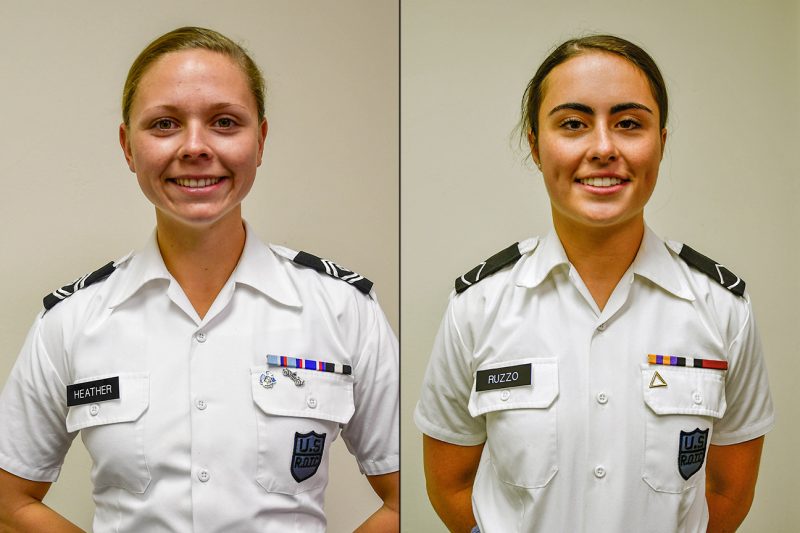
[33,434]
[442,411]
[749,413]
[373,433]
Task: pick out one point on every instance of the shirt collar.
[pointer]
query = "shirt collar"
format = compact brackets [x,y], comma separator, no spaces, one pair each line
[262,270]
[143,267]
[653,261]
[258,267]
[548,255]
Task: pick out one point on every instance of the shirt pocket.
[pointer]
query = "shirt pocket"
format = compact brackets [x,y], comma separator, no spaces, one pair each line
[113,433]
[297,425]
[521,424]
[681,409]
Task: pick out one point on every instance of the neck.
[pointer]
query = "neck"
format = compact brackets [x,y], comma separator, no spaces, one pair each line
[201,258]
[600,255]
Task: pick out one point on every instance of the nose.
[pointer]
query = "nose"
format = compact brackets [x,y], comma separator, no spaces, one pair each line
[603,148]
[195,143]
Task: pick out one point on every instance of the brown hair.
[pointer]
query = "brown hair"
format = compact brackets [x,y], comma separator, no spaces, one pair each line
[534,93]
[188,38]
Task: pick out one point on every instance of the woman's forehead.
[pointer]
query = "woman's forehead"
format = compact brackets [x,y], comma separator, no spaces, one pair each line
[600,77]
[187,76]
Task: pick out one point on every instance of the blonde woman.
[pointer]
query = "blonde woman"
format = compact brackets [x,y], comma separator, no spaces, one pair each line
[208,373]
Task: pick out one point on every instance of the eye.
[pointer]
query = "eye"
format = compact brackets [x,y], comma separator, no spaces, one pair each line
[572,124]
[225,122]
[164,124]
[629,124]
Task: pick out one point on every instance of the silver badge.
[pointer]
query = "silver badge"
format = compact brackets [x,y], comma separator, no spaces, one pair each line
[294,377]
[267,380]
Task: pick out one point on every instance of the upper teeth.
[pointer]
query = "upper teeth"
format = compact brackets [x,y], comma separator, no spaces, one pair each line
[196,182]
[601,182]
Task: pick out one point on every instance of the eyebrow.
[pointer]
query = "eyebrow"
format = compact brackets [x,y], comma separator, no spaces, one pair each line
[583,108]
[214,107]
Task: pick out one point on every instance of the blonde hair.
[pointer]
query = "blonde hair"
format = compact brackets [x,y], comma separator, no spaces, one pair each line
[188,38]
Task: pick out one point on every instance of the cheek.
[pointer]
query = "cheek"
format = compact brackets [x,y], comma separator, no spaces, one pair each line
[147,155]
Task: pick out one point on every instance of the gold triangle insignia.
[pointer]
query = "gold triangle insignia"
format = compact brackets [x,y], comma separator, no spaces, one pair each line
[657,381]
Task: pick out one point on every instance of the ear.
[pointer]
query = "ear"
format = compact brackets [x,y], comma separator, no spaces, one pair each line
[663,140]
[124,142]
[262,135]
[534,148]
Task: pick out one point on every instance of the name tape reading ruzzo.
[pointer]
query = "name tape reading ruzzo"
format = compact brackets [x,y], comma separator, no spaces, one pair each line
[503,378]
[99,390]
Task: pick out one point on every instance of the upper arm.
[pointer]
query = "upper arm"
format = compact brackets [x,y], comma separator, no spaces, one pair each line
[749,413]
[449,467]
[372,433]
[732,470]
[33,433]
[443,408]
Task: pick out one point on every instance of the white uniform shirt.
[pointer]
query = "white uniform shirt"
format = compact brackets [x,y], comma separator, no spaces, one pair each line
[590,446]
[196,442]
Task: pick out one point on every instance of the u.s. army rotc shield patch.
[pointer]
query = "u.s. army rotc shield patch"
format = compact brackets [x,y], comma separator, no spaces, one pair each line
[692,452]
[307,454]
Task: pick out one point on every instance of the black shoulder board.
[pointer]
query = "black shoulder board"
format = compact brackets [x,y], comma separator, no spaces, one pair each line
[490,266]
[712,269]
[84,281]
[332,269]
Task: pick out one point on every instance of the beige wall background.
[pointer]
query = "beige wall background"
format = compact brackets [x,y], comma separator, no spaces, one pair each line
[728,182]
[329,182]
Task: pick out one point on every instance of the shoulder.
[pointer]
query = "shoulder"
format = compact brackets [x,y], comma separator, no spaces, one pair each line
[494,265]
[715,271]
[86,284]
[717,293]
[703,270]
[325,269]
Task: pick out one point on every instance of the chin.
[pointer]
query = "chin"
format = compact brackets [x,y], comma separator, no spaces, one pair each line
[199,219]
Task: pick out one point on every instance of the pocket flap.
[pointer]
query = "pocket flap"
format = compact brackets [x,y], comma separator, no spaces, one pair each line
[134,397]
[323,395]
[540,394]
[684,390]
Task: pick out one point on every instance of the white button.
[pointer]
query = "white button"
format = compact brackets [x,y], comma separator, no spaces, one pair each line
[203,475]
[601,327]
[201,337]
[697,397]
[201,404]
[312,402]
[602,397]
[599,472]
[94,409]
[505,395]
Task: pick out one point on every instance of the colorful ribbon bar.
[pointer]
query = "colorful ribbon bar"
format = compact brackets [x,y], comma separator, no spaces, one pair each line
[671,360]
[308,364]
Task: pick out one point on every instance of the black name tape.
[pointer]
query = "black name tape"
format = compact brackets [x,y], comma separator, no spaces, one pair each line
[503,378]
[100,390]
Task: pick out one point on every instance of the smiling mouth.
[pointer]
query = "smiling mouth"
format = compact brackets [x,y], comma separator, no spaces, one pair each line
[196,183]
[601,182]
